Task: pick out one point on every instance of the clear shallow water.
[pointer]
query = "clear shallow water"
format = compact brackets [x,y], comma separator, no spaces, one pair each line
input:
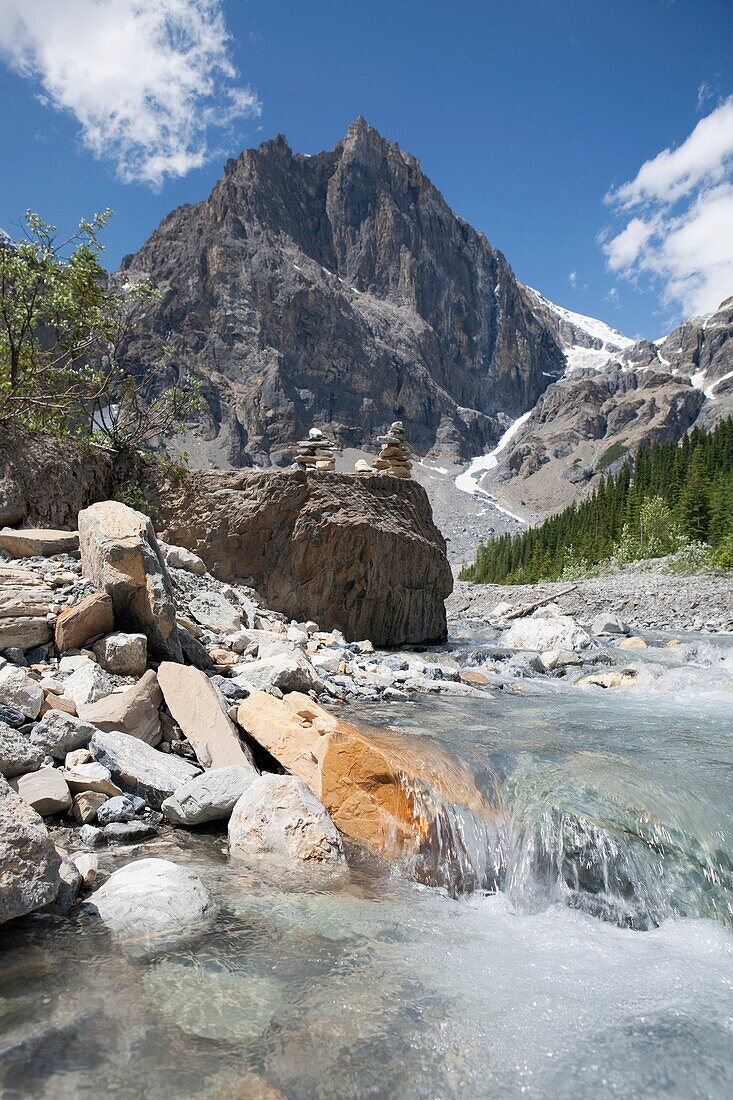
[616,815]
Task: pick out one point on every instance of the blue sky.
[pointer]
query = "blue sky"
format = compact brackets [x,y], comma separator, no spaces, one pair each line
[524,114]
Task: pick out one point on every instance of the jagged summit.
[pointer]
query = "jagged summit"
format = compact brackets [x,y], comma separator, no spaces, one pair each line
[340,289]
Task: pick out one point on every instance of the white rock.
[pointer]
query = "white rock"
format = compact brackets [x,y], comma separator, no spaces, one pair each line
[91,777]
[286,673]
[88,684]
[550,658]
[500,610]
[609,624]
[296,635]
[122,654]
[18,754]
[45,790]
[209,797]
[215,612]
[277,816]
[138,768]
[151,899]
[19,690]
[87,864]
[560,632]
[29,862]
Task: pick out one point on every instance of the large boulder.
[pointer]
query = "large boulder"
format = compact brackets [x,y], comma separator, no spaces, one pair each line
[360,553]
[199,709]
[25,600]
[29,863]
[121,653]
[120,554]
[288,673]
[140,769]
[19,691]
[542,634]
[34,542]
[90,618]
[134,711]
[278,816]
[384,790]
[59,733]
[45,790]
[209,797]
[152,899]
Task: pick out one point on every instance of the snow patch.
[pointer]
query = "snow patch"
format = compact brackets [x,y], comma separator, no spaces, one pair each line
[468,481]
[709,391]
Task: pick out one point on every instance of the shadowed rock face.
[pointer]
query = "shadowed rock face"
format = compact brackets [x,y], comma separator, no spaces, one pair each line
[338,289]
[357,553]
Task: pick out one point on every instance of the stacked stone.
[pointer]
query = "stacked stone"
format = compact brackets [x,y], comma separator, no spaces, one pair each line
[394,457]
[316,452]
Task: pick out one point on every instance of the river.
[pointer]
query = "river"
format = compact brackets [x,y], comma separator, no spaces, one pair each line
[582,948]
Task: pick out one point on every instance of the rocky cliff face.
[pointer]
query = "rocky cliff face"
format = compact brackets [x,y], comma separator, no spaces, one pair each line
[338,289]
[357,553]
[587,424]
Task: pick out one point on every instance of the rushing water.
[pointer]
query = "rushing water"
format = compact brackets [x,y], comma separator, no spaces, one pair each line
[591,958]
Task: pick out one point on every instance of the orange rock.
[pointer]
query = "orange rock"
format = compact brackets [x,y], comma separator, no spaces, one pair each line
[88,619]
[387,791]
[57,702]
[469,676]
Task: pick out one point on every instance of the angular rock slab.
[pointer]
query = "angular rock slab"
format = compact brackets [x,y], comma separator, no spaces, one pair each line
[122,654]
[120,553]
[199,708]
[29,862]
[286,673]
[209,797]
[152,899]
[37,542]
[541,634]
[134,711]
[24,603]
[139,769]
[20,691]
[45,790]
[279,817]
[59,733]
[18,754]
[90,618]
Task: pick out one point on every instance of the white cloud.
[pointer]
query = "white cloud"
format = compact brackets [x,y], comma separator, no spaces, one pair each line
[573,278]
[147,80]
[678,211]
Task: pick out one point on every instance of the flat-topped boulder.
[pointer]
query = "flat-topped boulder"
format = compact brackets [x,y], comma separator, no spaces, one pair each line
[137,768]
[29,863]
[31,542]
[25,600]
[355,552]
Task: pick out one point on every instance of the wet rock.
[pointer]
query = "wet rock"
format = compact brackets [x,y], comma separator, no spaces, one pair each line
[19,691]
[91,836]
[635,642]
[608,624]
[129,832]
[34,542]
[278,817]
[471,676]
[122,654]
[59,733]
[69,887]
[209,797]
[29,863]
[152,898]
[45,790]
[199,709]
[84,621]
[87,864]
[25,600]
[120,554]
[17,753]
[138,768]
[614,678]
[134,711]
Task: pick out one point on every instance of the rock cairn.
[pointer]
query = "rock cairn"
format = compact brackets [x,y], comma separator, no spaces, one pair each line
[316,452]
[395,455]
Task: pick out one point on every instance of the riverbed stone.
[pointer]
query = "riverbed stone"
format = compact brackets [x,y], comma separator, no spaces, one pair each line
[120,554]
[87,864]
[119,808]
[293,673]
[59,733]
[25,599]
[617,677]
[29,862]
[609,624]
[85,804]
[88,684]
[280,818]
[152,898]
[129,832]
[209,797]
[45,790]
[554,632]
[20,691]
[18,754]
[200,710]
[91,776]
[134,711]
[139,769]
[634,642]
[122,654]
[88,619]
